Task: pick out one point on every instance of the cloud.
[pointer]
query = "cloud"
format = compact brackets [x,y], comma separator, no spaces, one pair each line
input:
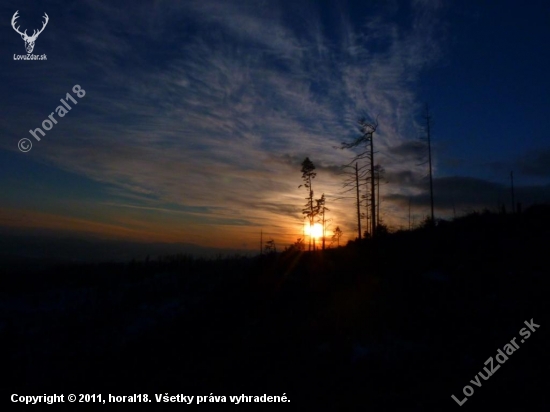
[465,194]
[535,163]
[409,149]
[214,104]
[530,167]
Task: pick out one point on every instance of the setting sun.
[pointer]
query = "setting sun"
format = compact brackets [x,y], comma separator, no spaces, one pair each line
[315,231]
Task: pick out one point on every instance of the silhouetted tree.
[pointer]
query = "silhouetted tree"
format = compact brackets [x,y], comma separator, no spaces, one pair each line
[321,209]
[379,171]
[337,235]
[382,229]
[352,184]
[270,247]
[366,140]
[512,191]
[299,245]
[308,175]
[428,118]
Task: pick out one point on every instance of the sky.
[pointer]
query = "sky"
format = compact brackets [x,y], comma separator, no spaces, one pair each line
[197,114]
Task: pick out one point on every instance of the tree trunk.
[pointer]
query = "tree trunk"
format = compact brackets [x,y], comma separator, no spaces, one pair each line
[372,193]
[358,202]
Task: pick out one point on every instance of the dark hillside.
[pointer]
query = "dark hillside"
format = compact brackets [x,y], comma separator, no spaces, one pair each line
[405,321]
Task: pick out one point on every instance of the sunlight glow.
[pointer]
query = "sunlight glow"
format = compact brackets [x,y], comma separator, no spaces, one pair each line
[316,231]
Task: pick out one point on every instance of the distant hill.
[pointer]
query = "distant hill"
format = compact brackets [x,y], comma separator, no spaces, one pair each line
[39,250]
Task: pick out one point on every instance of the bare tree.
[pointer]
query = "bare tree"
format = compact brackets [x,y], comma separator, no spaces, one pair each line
[379,171]
[358,202]
[352,184]
[427,146]
[366,141]
[512,192]
[428,118]
[409,213]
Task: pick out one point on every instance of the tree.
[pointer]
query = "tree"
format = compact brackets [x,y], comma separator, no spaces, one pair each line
[379,171]
[357,191]
[270,247]
[321,209]
[366,140]
[428,118]
[352,184]
[337,235]
[382,230]
[309,209]
[299,245]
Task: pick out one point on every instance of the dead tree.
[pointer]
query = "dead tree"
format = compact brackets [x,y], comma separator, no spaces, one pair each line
[379,171]
[428,118]
[512,192]
[366,142]
[352,184]
[358,202]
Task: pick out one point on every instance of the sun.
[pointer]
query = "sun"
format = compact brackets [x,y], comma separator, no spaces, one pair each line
[316,231]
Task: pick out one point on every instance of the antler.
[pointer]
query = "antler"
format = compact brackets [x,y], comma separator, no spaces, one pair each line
[35,35]
[13,19]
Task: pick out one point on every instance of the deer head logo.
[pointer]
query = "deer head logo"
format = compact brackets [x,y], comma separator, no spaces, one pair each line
[29,40]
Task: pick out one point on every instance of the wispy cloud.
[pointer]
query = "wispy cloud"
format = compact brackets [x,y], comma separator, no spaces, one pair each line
[217,108]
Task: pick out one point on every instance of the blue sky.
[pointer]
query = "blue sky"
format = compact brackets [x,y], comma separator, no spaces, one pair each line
[197,114]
